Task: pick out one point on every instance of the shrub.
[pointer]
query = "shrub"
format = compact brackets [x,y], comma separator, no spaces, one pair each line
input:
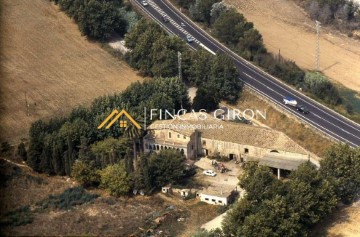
[115,179]
[321,87]
[69,198]
[5,148]
[20,216]
[85,174]
[21,151]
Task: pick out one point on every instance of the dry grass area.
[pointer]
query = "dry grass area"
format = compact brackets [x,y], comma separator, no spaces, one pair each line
[343,222]
[287,27]
[300,133]
[45,57]
[105,216]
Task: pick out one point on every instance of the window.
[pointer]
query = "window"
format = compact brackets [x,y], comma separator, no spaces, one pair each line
[184,137]
[178,135]
[220,201]
[206,199]
[192,147]
[213,200]
[204,142]
[246,150]
[169,134]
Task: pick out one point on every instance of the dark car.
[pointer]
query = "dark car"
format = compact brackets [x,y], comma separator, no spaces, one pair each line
[302,109]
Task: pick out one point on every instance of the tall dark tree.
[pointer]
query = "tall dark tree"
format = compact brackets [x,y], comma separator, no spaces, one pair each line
[341,167]
[21,151]
[204,100]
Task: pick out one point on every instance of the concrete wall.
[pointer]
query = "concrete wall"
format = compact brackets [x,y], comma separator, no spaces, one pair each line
[222,148]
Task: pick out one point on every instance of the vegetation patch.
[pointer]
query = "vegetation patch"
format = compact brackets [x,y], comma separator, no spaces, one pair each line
[20,216]
[69,198]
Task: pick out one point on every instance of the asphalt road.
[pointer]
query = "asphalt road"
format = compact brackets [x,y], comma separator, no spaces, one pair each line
[326,120]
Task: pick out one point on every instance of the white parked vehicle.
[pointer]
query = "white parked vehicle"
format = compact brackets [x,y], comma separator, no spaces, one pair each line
[189,38]
[144,3]
[209,173]
[290,101]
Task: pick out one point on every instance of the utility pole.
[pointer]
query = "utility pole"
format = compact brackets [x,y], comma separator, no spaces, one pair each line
[317,45]
[179,64]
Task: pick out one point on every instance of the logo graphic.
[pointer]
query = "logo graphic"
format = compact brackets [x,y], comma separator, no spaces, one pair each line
[122,123]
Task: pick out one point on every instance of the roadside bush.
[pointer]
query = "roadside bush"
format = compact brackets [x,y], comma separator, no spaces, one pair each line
[322,88]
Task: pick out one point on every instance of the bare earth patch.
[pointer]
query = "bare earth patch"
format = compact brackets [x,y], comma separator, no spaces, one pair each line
[44,55]
[286,26]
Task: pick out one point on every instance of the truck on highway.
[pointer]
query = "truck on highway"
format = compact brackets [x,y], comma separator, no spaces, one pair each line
[290,101]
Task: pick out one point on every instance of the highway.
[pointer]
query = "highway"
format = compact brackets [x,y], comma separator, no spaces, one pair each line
[324,119]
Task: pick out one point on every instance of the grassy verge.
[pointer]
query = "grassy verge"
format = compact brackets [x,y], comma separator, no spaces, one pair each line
[304,135]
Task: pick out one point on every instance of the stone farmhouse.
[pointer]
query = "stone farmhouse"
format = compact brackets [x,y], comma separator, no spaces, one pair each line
[213,137]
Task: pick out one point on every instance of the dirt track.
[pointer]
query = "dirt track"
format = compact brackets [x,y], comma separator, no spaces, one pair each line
[45,56]
[285,26]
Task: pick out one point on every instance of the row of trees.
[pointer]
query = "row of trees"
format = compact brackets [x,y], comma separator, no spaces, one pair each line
[155,53]
[231,28]
[343,14]
[99,19]
[145,173]
[274,208]
[55,145]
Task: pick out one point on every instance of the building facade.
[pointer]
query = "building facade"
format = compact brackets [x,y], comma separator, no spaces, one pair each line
[195,138]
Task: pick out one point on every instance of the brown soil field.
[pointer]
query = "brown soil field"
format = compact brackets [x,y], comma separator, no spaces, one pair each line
[287,27]
[44,56]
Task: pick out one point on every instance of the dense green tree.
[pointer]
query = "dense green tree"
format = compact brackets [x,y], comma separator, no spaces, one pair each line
[273,218]
[259,182]
[141,176]
[251,43]
[204,100]
[217,9]
[166,167]
[201,10]
[85,174]
[110,150]
[224,81]
[341,167]
[230,26]
[236,216]
[115,179]
[311,196]
[199,73]
[96,19]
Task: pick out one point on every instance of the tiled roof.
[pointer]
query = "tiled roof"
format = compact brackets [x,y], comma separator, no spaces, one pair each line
[231,132]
